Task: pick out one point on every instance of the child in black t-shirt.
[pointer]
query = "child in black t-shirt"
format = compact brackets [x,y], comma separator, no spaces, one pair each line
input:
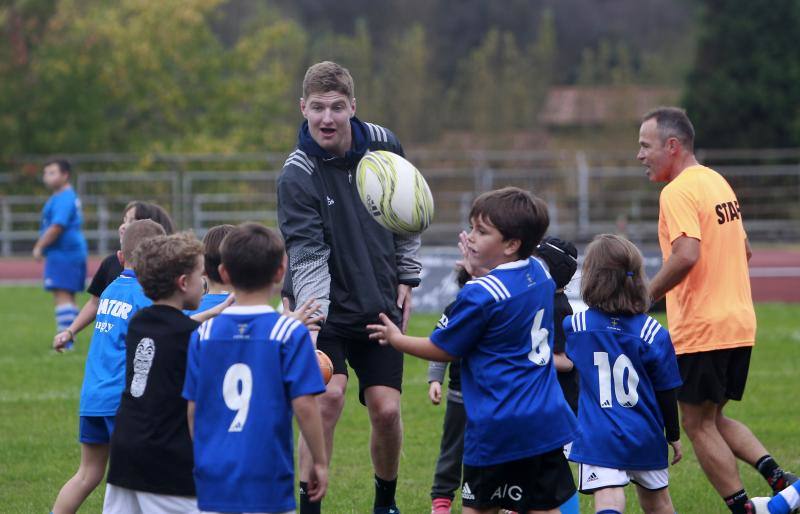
[447,477]
[151,457]
[561,258]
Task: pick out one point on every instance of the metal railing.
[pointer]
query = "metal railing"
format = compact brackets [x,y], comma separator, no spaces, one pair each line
[586,193]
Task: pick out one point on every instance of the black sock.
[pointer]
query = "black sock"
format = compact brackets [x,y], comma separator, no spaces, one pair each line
[307,507]
[737,502]
[384,492]
[771,472]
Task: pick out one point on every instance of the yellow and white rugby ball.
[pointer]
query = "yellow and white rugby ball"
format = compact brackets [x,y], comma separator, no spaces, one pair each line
[394,192]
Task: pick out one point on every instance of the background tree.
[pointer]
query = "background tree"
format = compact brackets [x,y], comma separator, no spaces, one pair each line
[744,90]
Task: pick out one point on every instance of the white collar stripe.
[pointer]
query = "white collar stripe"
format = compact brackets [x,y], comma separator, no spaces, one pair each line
[494,286]
[653,335]
[277,327]
[646,325]
[514,265]
[282,332]
[487,287]
[292,327]
[500,285]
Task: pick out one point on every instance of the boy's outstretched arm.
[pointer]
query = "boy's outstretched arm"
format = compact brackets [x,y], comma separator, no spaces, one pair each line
[85,316]
[213,312]
[309,419]
[422,347]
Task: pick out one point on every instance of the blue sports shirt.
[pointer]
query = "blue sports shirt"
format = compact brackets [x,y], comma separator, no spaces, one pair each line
[621,361]
[501,325]
[104,378]
[208,301]
[64,208]
[243,370]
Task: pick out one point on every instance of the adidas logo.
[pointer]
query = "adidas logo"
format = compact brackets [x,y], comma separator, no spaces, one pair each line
[592,478]
[627,404]
[330,201]
[466,492]
[606,404]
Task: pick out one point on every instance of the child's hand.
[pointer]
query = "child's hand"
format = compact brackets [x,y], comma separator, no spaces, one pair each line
[317,482]
[385,332]
[305,314]
[676,449]
[435,392]
[61,339]
[464,262]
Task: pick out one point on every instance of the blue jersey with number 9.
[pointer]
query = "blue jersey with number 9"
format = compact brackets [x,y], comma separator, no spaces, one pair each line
[244,368]
[501,325]
[622,360]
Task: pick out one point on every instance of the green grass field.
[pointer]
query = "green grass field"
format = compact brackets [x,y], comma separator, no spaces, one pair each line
[39,402]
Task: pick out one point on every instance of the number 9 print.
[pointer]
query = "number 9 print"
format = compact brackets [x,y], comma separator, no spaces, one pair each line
[238,398]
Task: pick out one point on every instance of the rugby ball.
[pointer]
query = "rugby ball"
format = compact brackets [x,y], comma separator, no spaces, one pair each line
[394,192]
[325,366]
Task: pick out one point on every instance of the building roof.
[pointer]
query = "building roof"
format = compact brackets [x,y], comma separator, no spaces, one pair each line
[574,106]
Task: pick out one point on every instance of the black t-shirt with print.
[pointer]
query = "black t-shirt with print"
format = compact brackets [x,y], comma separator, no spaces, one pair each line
[151,449]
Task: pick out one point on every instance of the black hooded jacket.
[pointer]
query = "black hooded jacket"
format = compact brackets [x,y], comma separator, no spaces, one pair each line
[338,254]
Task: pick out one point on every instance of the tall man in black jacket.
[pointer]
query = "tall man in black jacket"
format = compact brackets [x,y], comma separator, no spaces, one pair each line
[355,268]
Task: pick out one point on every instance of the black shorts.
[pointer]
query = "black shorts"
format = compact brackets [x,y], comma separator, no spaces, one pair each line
[541,482]
[716,376]
[375,365]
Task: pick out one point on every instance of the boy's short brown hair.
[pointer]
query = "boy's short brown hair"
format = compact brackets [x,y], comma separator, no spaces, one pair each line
[516,213]
[613,278]
[327,76]
[136,233]
[252,254]
[161,260]
[211,254]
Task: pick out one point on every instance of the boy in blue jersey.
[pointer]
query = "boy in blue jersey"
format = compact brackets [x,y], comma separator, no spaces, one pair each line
[628,382]
[501,327]
[247,371]
[785,502]
[104,378]
[61,243]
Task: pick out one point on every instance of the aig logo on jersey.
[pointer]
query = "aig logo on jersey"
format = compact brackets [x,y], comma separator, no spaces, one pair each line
[513,492]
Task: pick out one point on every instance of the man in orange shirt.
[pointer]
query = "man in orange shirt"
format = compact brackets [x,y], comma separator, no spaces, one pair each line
[709,306]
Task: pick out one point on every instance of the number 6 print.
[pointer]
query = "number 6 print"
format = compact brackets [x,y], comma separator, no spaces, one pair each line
[234,398]
[540,349]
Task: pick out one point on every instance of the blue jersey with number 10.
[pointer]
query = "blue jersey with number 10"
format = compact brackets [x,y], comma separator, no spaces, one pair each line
[243,370]
[622,360]
[501,325]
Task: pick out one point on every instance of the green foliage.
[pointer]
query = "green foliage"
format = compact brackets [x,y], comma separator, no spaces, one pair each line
[500,86]
[151,76]
[744,90]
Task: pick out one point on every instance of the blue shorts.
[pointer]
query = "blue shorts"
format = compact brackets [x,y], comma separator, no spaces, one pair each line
[65,271]
[96,429]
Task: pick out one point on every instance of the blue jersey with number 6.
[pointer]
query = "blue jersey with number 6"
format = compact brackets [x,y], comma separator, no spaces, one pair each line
[501,325]
[243,370]
[622,360]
